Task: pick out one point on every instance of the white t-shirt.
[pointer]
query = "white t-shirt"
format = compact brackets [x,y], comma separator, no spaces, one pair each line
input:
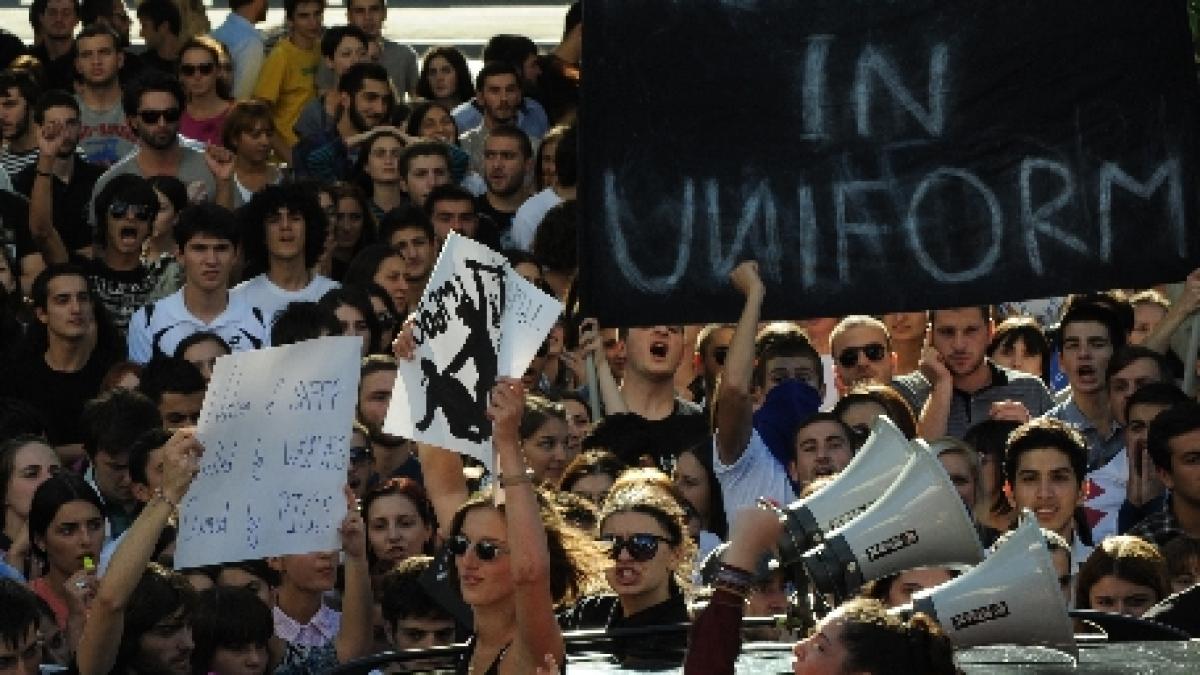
[755,474]
[160,327]
[529,216]
[271,300]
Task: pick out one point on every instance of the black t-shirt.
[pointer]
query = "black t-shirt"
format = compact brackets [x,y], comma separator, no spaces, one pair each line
[151,59]
[122,292]
[557,87]
[70,205]
[634,438]
[501,221]
[60,72]
[59,396]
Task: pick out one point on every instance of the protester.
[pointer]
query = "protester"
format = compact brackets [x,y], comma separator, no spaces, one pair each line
[1123,575]
[400,524]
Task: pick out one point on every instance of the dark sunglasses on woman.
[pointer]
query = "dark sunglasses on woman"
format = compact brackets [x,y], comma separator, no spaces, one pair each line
[641,546]
[119,207]
[190,69]
[484,550]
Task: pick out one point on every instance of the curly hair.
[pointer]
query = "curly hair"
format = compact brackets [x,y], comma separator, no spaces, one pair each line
[252,219]
[882,644]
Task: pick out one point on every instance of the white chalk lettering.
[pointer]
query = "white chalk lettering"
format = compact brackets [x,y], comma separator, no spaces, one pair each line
[1169,173]
[870,231]
[874,64]
[766,248]
[812,92]
[912,227]
[615,211]
[1036,221]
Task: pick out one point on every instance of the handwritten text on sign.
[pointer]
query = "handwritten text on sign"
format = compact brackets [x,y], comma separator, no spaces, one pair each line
[275,427]
[879,156]
[477,320]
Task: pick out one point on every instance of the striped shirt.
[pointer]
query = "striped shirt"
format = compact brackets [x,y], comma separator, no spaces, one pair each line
[968,409]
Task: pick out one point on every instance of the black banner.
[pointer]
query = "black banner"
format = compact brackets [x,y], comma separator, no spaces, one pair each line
[876,155]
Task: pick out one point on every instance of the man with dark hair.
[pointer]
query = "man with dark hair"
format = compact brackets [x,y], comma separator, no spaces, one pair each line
[300,321]
[745,462]
[1090,334]
[161,24]
[146,463]
[414,619]
[73,178]
[284,230]
[1174,445]
[366,102]
[20,642]
[525,113]
[394,456]
[1125,481]
[287,79]
[957,385]
[558,84]
[18,92]
[176,387]
[521,53]
[399,60]
[1144,491]
[862,351]
[244,44]
[408,230]
[68,354]
[507,165]
[556,247]
[112,422]
[424,165]
[499,96]
[153,104]
[452,209]
[104,133]
[207,237]
[1044,463]
[54,21]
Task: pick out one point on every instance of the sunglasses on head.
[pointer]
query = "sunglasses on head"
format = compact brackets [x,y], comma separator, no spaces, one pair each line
[118,208]
[484,550]
[171,115]
[642,546]
[190,69]
[848,357]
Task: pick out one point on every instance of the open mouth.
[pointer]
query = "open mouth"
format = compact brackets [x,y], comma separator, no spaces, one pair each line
[1086,371]
[659,350]
[127,234]
[626,576]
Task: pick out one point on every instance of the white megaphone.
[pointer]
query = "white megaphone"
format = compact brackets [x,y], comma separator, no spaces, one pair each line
[1013,597]
[919,521]
[872,471]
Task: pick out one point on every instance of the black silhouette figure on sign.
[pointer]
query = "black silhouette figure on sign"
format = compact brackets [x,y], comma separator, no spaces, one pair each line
[466,419]
[467,415]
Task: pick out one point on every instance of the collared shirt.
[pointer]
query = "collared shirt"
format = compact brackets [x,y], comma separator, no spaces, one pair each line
[967,409]
[318,632]
[1161,527]
[1101,447]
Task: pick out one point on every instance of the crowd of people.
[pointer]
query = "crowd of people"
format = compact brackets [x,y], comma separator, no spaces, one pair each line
[218,191]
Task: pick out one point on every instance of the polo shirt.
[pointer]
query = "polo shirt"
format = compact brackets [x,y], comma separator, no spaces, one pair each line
[968,409]
[159,328]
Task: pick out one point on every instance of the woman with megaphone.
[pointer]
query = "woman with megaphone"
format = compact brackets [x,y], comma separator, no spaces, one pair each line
[859,636]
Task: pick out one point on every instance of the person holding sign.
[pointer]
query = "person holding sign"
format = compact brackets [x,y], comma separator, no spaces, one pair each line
[502,556]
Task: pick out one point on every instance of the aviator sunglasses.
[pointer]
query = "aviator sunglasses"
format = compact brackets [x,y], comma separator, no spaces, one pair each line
[848,357]
[642,547]
[484,550]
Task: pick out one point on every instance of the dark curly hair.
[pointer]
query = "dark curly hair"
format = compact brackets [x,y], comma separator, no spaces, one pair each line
[252,218]
[877,642]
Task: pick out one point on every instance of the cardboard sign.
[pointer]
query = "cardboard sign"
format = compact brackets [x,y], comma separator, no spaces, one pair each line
[882,156]
[276,429]
[478,320]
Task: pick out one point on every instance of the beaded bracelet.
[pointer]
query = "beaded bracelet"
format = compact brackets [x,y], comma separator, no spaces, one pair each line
[510,481]
[160,495]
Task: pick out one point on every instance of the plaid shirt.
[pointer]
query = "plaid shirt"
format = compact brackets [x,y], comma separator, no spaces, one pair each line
[1159,528]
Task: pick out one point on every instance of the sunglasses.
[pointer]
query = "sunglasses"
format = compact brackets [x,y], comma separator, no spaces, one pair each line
[190,69]
[119,208]
[484,550]
[642,547]
[171,115]
[848,357]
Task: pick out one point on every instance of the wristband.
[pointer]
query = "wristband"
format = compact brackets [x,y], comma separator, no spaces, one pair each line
[510,481]
[733,580]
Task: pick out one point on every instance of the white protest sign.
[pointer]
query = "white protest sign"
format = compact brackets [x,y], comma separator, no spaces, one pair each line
[276,429]
[477,320]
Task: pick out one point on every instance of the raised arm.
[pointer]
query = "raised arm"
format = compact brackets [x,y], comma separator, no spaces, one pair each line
[935,414]
[354,638]
[735,408]
[538,632]
[606,383]
[41,198]
[97,651]
[1181,308]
